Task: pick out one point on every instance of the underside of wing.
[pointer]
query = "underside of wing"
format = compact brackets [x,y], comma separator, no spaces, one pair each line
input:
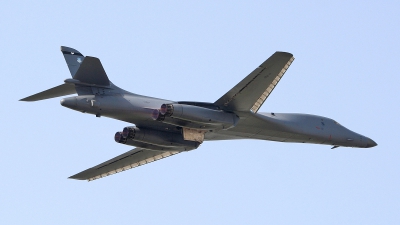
[252,91]
[131,159]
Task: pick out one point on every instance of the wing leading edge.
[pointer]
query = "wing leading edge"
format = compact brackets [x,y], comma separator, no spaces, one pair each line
[131,159]
[252,91]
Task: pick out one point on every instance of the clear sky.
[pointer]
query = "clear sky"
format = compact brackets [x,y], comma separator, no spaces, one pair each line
[346,68]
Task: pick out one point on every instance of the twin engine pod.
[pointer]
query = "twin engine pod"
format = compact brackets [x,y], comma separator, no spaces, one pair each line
[148,137]
[195,114]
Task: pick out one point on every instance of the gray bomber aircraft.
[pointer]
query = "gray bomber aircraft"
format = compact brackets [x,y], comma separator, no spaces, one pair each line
[163,128]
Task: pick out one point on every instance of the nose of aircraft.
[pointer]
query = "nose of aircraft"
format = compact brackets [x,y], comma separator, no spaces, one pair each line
[371,143]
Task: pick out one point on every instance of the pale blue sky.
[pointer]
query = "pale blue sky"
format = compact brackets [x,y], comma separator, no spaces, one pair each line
[346,68]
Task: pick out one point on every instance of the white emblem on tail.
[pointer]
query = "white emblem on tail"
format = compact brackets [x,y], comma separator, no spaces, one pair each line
[79,60]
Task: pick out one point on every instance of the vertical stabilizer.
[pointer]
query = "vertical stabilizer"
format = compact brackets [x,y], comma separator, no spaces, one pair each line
[92,72]
[73,58]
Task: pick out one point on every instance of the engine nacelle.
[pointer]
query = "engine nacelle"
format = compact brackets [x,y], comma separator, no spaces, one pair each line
[120,139]
[132,135]
[196,114]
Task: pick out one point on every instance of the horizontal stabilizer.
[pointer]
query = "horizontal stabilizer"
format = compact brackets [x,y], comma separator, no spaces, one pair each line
[92,72]
[61,90]
[131,159]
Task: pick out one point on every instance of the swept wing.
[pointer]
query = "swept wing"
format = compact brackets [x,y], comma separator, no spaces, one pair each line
[131,159]
[252,91]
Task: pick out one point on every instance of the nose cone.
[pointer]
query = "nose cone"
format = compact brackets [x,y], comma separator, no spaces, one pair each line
[371,143]
[68,102]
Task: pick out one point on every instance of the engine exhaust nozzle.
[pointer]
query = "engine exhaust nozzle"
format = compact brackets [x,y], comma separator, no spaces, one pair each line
[118,137]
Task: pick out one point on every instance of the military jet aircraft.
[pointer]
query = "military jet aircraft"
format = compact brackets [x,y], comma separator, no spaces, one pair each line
[161,128]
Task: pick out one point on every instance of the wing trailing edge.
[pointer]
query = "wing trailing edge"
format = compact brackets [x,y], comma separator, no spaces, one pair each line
[260,101]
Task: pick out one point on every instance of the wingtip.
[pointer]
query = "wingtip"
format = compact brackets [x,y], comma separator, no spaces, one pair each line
[286,53]
[76,178]
[24,100]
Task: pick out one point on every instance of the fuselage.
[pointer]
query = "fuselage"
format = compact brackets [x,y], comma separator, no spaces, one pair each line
[296,128]
[160,128]
[282,127]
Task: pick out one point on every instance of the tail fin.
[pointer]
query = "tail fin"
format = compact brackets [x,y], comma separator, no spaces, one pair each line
[85,69]
[88,75]
[92,72]
[73,58]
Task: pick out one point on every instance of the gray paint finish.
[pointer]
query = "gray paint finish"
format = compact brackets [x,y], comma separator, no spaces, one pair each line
[157,134]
